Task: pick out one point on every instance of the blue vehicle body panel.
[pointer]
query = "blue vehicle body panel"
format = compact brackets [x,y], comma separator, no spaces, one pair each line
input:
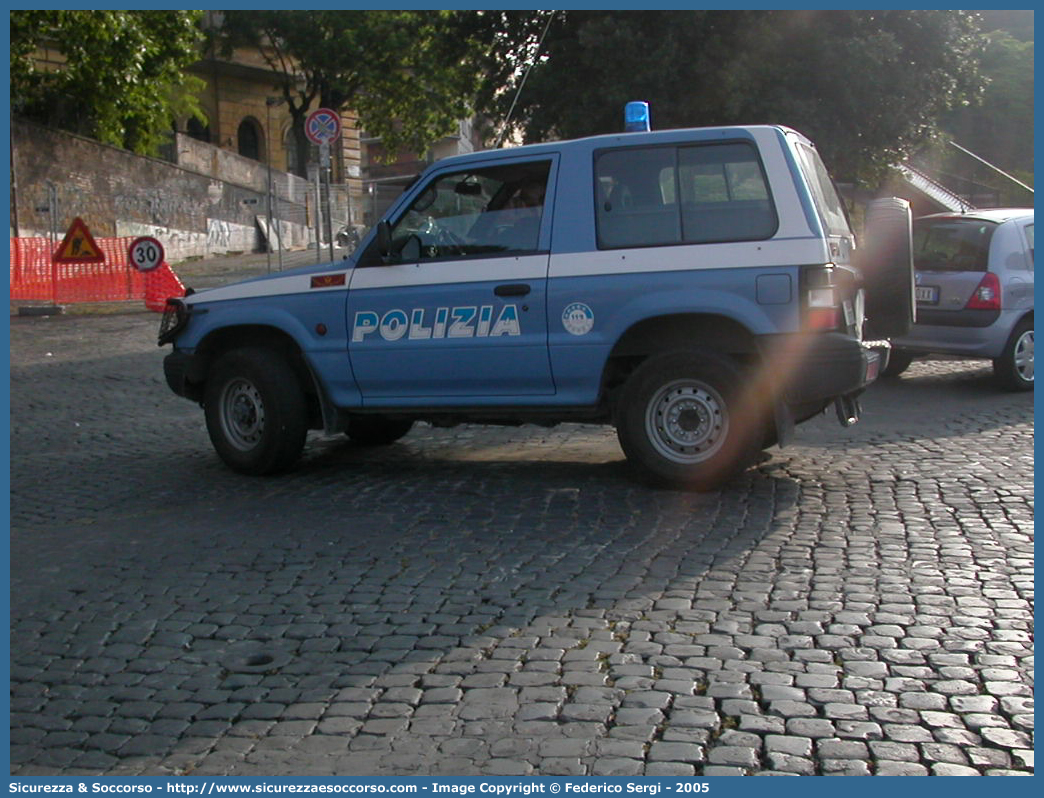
[440,334]
[297,316]
[449,342]
[619,302]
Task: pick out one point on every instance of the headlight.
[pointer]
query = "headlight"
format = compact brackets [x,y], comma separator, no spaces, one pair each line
[175,317]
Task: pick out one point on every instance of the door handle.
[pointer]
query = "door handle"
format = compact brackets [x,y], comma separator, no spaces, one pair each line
[512,289]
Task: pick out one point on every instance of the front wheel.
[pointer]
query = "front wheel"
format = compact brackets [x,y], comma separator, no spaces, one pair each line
[684,420]
[255,411]
[1014,368]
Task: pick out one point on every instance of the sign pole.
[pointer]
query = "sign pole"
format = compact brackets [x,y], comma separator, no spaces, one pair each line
[322,127]
[329,215]
[52,202]
[324,164]
[54,281]
[318,221]
[279,230]
[268,232]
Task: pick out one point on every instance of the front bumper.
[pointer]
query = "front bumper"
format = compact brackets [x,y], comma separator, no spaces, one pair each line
[184,372]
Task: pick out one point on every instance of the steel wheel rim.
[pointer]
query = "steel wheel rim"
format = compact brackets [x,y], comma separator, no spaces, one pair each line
[242,414]
[686,422]
[1024,356]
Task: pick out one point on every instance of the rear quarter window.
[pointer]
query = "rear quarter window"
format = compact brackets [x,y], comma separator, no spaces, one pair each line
[824,194]
[694,194]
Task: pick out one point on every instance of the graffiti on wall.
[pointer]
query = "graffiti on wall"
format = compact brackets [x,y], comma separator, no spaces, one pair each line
[61,176]
[225,236]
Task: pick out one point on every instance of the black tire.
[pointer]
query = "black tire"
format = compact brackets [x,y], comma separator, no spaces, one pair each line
[899,360]
[886,262]
[377,430]
[683,420]
[255,411]
[1013,370]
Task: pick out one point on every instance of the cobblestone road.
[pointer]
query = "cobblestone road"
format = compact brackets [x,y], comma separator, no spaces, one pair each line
[487,601]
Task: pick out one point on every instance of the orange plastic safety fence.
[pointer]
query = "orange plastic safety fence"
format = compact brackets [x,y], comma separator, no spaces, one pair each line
[35,276]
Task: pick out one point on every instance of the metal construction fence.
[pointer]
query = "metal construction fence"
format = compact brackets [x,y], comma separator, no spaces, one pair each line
[314,212]
[36,276]
[378,196]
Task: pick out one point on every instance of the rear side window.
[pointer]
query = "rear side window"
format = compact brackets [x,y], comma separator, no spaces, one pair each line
[952,245]
[635,192]
[672,195]
[724,195]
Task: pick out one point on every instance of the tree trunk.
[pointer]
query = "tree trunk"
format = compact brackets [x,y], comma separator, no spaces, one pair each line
[302,146]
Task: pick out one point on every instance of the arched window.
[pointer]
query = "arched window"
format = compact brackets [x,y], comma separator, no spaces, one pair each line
[293,156]
[197,129]
[290,149]
[249,139]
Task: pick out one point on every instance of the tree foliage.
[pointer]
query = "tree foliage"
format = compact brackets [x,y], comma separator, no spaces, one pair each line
[410,75]
[868,86]
[1000,128]
[123,79]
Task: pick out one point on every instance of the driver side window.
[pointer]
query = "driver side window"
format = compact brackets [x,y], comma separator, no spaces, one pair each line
[471,213]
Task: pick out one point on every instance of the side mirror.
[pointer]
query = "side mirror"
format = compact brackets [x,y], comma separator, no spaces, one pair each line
[410,252]
[383,238]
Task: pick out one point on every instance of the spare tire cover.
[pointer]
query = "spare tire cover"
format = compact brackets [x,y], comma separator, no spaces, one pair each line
[886,262]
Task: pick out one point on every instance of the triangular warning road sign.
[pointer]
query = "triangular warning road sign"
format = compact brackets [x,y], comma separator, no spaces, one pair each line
[78,246]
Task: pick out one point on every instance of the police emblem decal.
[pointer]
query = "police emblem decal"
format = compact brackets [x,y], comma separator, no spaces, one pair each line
[578,318]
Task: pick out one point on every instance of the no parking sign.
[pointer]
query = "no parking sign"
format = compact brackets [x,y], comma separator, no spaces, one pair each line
[323,126]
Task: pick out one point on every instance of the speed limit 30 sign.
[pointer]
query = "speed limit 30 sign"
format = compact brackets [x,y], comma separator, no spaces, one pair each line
[145,253]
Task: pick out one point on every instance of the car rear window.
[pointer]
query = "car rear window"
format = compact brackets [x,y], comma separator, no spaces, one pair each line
[952,245]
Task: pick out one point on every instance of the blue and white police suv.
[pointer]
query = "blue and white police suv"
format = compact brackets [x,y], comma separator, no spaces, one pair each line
[696,288]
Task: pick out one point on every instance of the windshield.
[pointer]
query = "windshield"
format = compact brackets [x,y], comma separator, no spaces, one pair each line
[831,211]
[952,245]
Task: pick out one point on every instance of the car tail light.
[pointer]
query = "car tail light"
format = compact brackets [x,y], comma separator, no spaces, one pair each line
[822,304]
[987,296]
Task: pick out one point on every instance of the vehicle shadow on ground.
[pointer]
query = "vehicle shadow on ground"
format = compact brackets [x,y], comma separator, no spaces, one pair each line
[933,400]
[234,616]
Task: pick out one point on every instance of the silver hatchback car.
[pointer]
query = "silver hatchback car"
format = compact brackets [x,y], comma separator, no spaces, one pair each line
[974,288]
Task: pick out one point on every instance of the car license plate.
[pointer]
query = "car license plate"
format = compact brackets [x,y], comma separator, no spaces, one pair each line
[927,294]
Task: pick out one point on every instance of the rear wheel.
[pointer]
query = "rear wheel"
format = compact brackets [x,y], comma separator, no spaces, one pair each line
[899,360]
[377,430]
[255,411]
[1014,368]
[683,420]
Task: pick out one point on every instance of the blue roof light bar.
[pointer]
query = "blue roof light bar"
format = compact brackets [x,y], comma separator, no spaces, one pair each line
[636,117]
